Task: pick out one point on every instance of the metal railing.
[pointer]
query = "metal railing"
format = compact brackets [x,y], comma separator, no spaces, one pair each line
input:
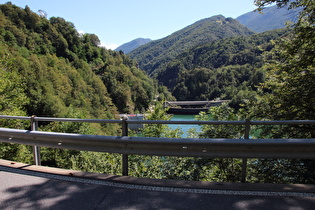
[182,147]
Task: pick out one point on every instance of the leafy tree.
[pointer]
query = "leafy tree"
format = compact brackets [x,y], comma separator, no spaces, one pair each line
[221,113]
[223,169]
[12,100]
[159,130]
[96,162]
[288,94]
[12,90]
[291,70]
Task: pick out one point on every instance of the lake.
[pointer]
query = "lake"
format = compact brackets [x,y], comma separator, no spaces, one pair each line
[184,128]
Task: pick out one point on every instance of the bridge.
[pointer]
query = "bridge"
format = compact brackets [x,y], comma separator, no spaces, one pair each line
[191,107]
[35,186]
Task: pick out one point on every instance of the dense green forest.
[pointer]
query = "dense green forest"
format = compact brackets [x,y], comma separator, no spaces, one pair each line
[57,68]
[48,69]
[229,68]
[214,58]
[155,54]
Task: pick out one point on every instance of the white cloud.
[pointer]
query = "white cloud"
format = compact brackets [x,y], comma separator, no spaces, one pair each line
[81,32]
[111,46]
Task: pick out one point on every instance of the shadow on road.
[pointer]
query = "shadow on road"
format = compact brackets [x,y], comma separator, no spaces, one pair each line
[19,191]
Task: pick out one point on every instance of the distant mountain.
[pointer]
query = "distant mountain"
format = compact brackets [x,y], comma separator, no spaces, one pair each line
[272,18]
[129,46]
[157,53]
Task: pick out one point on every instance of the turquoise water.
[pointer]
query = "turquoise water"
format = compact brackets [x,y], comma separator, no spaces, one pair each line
[184,128]
[253,134]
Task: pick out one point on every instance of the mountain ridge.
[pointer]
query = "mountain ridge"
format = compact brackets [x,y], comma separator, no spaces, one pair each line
[255,21]
[159,52]
[271,18]
[129,46]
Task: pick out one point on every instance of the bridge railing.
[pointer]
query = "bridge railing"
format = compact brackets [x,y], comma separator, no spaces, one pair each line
[181,147]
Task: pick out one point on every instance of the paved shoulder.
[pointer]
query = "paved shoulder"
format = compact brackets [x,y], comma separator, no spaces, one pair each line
[22,188]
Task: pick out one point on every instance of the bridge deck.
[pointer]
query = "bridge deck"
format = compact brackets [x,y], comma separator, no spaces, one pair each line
[193,103]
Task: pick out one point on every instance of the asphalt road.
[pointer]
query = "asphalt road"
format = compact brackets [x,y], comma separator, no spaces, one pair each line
[24,189]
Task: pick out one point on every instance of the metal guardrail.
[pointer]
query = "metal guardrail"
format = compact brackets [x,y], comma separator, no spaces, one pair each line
[183,147]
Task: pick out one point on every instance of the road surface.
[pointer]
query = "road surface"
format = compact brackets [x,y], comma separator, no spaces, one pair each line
[33,187]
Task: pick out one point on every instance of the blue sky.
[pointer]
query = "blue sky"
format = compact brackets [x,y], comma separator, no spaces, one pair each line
[116,22]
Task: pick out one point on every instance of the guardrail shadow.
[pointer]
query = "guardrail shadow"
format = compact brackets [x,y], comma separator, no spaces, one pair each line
[34,190]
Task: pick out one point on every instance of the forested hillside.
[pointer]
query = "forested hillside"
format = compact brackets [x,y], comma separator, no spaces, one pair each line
[47,67]
[157,53]
[225,69]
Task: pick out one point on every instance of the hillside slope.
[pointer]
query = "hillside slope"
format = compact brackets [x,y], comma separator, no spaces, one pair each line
[226,69]
[157,53]
[60,70]
[271,18]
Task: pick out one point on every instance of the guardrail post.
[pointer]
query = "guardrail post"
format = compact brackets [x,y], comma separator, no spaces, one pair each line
[36,149]
[244,161]
[124,156]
